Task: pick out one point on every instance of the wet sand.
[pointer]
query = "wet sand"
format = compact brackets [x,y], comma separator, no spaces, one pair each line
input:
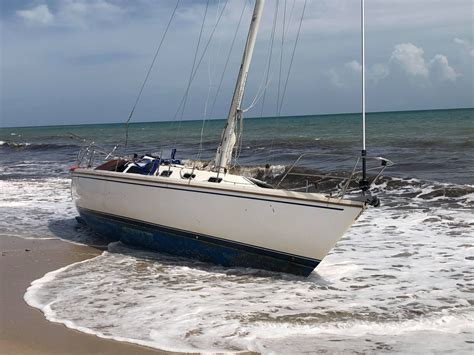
[24,330]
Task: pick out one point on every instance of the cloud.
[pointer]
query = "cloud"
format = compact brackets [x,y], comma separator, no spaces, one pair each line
[346,76]
[354,65]
[410,59]
[339,16]
[373,73]
[83,13]
[39,15]
[405,57]
[378,72]
[465,44]
[441,70]
[335,78]
[74,13]
[462,42]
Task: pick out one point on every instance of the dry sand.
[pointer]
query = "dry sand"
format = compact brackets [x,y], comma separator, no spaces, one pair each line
[24,330]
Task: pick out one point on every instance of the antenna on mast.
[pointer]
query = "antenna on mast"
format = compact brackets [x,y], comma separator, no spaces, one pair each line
[364,184]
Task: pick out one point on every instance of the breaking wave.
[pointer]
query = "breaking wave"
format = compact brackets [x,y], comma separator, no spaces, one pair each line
[35,146]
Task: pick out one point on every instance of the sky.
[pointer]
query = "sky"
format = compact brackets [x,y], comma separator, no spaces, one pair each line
[83,61]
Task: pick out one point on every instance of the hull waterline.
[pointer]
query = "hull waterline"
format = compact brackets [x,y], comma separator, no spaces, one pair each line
[191,245]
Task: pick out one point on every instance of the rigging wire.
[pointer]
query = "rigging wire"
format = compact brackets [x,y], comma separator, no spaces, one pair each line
[221,78]
[291,17]
[279,106]
[228,58]
[292,56]
[270,52]
[210,75]
[281,54]
[149,72]
[262,90]
[202,55]
[198,65]
[272,156]
[265,79]
[196,52]
[260,93]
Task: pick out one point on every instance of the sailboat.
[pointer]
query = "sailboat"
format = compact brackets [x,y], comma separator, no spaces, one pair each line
[211,214]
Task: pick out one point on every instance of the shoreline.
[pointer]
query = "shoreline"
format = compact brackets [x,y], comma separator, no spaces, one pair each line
[25,330]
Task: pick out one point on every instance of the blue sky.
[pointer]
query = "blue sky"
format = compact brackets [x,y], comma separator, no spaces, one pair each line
[83,61]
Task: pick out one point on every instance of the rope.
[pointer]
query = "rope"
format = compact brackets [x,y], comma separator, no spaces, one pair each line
[149,72]
[238,149]
[261,91]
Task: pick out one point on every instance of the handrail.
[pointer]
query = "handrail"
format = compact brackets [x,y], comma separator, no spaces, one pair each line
[384,164]
[90,151]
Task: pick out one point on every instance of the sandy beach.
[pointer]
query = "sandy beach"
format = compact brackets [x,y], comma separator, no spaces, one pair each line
[24,330]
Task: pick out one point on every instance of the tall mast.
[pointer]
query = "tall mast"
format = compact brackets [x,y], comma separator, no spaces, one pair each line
[364,185]
[224,152]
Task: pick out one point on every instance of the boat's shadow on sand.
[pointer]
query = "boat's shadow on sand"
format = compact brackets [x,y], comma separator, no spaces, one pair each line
[76,231]
[72,230]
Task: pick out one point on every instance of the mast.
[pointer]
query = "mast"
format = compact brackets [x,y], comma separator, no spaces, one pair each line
[364,185]
[224,152]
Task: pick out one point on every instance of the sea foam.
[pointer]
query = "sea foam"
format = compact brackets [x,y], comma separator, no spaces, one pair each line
[401,274]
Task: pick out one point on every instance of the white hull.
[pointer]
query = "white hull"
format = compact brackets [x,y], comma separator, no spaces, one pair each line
[302,225]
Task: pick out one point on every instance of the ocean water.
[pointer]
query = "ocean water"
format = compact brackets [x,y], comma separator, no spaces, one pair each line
[400,281]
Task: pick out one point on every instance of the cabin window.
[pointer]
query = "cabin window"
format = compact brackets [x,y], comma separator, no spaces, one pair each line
[166,173]
[189,176]
[215,179]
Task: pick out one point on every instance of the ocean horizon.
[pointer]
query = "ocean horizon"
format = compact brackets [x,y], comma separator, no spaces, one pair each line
[245,118]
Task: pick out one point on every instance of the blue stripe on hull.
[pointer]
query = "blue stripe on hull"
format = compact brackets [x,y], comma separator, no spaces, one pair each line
[195,246]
